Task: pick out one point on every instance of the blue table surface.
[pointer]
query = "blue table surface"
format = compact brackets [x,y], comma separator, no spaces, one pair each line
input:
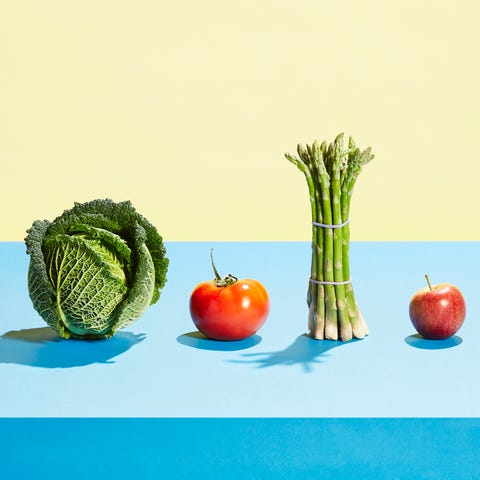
[160,367]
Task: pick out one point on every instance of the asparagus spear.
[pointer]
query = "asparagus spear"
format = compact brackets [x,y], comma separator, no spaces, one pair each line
[303,164]
[337,165]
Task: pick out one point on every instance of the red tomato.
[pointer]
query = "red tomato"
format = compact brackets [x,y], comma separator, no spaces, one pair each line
[223,310]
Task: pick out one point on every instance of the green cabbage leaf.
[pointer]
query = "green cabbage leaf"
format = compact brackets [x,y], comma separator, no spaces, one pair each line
[95,269]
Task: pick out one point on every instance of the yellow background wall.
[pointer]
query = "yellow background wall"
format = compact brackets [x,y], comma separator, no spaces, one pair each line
[187,107]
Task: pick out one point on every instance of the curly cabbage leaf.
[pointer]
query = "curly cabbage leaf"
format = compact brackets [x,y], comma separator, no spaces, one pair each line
[95,269]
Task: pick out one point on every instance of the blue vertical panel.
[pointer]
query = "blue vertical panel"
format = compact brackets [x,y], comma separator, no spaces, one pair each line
[240,448]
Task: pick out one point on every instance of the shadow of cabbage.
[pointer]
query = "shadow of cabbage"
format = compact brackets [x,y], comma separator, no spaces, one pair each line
[42,347]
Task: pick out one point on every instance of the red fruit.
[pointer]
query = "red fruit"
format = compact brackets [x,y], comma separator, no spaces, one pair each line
[437,311]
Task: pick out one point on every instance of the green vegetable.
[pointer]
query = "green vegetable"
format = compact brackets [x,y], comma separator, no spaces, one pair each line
[331,172]
[95,269]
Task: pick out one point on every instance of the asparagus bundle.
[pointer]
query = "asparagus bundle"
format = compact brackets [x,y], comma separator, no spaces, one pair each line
[331,172]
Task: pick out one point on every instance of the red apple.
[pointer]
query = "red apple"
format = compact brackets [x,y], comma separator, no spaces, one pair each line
[437,311]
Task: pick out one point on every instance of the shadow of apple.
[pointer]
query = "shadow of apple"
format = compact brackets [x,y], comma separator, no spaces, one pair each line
[418,341]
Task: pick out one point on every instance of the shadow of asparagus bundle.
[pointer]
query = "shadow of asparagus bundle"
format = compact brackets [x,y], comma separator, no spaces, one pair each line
[331,172]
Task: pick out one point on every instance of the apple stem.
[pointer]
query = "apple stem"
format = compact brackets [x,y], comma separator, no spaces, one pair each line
[428,281]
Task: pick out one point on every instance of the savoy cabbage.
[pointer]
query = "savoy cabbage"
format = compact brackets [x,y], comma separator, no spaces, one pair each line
[95,269]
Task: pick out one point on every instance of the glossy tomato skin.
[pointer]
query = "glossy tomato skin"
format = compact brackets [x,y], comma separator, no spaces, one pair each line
[233,312]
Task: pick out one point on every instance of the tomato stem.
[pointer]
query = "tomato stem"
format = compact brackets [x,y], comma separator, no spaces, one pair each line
[215,271]
[219,281]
